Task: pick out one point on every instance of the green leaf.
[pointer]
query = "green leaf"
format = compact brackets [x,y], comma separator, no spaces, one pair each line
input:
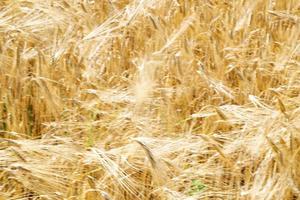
[196,187]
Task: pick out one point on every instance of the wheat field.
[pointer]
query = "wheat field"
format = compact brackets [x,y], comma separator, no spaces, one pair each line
[149,99]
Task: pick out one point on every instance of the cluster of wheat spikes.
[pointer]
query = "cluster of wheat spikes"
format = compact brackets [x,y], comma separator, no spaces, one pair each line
[149,99]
